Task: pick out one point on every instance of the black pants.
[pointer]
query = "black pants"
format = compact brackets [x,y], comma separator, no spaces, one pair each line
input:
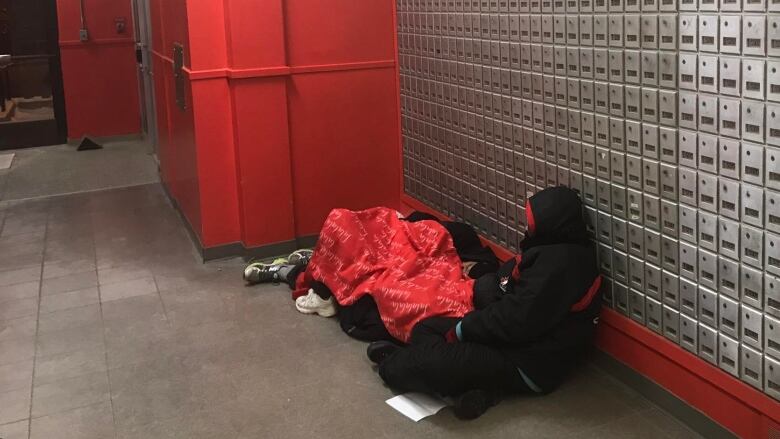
[431,365]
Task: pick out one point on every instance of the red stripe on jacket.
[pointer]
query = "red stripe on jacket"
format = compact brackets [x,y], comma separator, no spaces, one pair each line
[588,298]
[529,216]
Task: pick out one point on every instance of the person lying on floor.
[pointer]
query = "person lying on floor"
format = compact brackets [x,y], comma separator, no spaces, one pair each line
[362,320]
[533,319]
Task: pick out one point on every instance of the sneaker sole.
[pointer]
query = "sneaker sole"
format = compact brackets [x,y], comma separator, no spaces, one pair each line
[321,313]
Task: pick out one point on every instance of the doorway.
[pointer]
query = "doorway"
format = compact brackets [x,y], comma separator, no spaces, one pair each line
[32,104]
[143,53]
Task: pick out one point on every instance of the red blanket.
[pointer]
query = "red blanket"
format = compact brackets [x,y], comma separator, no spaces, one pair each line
[411,269]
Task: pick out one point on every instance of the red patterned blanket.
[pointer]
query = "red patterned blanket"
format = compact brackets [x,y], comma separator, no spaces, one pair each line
[410,269]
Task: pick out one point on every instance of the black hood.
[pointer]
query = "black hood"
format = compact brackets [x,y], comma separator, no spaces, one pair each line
[554,216]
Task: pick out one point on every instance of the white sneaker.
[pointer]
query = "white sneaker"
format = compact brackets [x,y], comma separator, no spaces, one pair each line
[314,304]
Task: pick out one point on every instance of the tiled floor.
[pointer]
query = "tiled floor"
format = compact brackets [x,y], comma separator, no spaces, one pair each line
[110,327]
[60,169]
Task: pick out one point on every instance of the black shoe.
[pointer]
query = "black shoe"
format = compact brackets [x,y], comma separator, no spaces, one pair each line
[378,351]
[473,404]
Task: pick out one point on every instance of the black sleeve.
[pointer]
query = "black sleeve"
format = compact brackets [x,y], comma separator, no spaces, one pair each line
[537,304]
[487,288]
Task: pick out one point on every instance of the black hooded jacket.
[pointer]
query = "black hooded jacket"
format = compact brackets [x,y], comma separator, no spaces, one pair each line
[544,309]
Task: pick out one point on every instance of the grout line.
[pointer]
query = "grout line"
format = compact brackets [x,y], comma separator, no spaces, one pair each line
[4,216]
[162,302]
[88,191]
[68,410]
[37,322]
[103,327]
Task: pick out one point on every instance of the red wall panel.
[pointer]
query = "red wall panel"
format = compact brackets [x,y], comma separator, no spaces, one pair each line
[174,27]
[183,153]
[156,23]
[339,31]
[344,140]
[207,45]
[216,160]
[255,34]
[99,76]
[263,146]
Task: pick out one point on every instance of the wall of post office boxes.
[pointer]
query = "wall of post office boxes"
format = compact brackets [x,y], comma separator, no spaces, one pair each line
[663,114]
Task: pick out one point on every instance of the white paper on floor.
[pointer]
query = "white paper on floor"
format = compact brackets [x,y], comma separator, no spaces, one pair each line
[5,160]
[416,406]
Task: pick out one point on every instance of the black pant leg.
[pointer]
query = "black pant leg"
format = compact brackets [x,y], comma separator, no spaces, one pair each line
[292,276]
[450,369]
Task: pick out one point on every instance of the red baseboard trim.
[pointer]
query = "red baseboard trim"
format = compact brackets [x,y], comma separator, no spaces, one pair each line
[745,411]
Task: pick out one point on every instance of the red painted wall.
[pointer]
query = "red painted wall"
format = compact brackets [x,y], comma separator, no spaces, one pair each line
[343,107]
[293,112]
[99,76]
[346,120]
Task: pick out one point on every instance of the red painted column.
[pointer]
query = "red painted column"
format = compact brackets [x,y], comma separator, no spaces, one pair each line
[256,36]
[344,133]
[213,122]
[292,112]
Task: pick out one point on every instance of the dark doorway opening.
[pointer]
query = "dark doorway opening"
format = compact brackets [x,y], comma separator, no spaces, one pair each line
[32,107]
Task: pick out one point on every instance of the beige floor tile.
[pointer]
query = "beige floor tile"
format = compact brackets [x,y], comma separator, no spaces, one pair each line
[24,290]
[69,319]
[15,430]
[71,282]
[69,340]
[14,309]
[14,405]
[129,288]
[17,349]
[122,274]
[54,269]
[13,329]
[69,365]
[20,275]
[15,376]
[70,393]
[72,299]
[91,422]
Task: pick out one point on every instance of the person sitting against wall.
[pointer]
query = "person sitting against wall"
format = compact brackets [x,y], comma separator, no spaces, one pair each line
[532,320]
